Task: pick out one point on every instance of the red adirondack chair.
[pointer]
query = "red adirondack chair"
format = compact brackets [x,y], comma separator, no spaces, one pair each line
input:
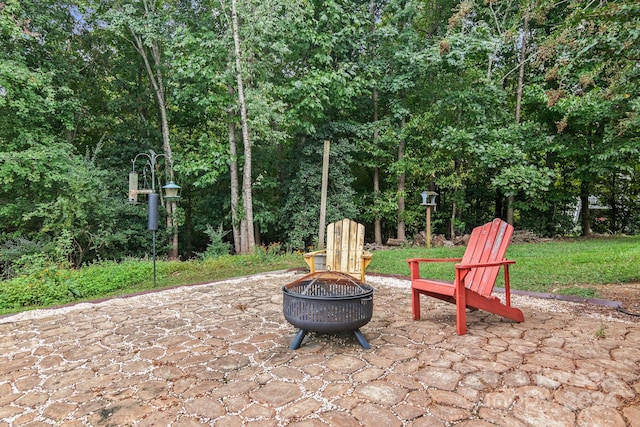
[475,276]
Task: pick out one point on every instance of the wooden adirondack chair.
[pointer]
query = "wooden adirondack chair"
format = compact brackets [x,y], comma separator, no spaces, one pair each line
[475,276]
[345,250]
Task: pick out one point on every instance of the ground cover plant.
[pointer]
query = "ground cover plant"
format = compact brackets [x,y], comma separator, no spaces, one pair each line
[57,285]
[568,266]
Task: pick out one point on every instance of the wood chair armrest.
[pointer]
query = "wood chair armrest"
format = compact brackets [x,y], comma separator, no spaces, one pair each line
[309,259]
[365,260]
[463,269]
[314,253]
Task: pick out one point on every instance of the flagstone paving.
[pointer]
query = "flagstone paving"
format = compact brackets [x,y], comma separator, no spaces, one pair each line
[218,355]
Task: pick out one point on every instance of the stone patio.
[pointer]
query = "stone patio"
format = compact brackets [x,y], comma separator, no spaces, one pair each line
[218,355]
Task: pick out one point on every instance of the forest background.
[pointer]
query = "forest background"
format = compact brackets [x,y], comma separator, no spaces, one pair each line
[515,109]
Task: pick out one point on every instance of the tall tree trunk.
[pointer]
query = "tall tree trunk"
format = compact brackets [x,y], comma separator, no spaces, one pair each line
[522,60]
[376,170]
[246,171]
[377,228]
[188,236]
[585,213]
[233,171]
[452,226]
[158,88]
[510,209]
[376,191]
[256,231]
[457,170]
[402,178]
[613,212]
[498,207]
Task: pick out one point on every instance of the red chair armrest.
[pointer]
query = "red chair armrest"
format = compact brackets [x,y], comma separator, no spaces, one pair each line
[411,260]
[484,264]
[414,264]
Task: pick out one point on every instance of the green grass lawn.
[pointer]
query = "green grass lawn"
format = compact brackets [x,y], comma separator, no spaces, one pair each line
[539,267]
[563,266]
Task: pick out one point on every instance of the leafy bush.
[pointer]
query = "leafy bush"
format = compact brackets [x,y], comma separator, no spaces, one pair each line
[46,287]
[301,209]
[52,285]
[266,253]
[22,256]
[217,246]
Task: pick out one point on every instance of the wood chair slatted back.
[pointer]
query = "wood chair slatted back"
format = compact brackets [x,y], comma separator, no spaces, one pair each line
[345,246]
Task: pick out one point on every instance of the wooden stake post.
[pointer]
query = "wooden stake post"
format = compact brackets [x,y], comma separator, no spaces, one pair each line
[428,227]
[429,200]
[323,196]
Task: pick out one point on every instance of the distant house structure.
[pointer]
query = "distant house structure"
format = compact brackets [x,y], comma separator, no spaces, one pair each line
[595,205]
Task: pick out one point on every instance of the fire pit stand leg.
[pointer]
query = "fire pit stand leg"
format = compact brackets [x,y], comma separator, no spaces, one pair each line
[297,341]
[361,339]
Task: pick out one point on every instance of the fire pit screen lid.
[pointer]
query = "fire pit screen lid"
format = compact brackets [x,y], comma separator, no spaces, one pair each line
[327,285]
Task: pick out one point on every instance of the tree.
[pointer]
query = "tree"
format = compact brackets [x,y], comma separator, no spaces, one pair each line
[248,242]
[146,29]
[395,65]
[510,109]
[402,70]
[50,193]
[590,73]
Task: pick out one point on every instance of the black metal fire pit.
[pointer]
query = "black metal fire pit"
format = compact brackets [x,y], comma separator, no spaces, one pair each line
[327,302]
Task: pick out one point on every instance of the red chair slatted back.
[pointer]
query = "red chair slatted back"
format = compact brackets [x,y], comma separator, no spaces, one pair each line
[487,243]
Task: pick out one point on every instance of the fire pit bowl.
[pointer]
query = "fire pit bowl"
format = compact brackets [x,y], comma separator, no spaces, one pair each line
[326,302]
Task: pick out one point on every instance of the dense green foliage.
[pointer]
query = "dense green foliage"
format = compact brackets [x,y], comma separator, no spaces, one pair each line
[505,108]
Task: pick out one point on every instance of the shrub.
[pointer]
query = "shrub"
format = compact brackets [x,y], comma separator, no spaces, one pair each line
[52,285]
[217,247]
[45,287]
[20,256]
